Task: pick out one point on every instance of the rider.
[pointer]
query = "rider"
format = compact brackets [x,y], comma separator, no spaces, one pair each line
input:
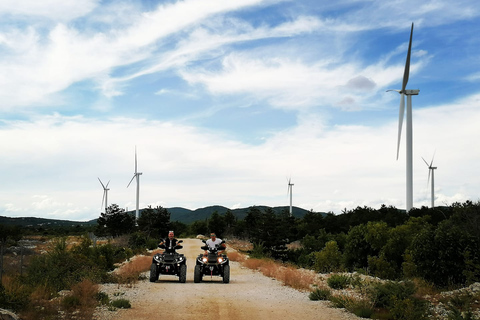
[213,242]
[170,243]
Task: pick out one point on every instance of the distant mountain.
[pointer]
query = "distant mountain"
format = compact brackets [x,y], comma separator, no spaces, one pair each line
[188,216]
[43,222]
[183,215]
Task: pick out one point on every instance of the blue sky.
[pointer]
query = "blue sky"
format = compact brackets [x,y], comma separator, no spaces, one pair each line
[226,100]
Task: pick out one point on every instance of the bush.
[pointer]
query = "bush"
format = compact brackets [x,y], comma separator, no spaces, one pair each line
[14,296]
[385,294]
[102,298]
[320,294]
[338,281]
[121,304]
[410,309]
[329,259]
[70,302]
[382,268]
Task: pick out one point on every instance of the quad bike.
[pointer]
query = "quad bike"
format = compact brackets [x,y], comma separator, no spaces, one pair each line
[212,264]
[169,262]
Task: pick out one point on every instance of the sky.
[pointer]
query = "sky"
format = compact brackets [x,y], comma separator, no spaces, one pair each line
[224,101]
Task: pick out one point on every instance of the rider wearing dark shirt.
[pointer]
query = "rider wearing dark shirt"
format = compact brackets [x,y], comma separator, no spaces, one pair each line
[170,243]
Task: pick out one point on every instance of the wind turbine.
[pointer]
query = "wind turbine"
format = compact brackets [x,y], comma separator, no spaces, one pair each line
[431,169]
[137,176]
[105,194]
[289,191]
[409,134]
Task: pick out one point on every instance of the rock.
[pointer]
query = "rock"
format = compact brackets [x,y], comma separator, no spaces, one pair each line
[7,315]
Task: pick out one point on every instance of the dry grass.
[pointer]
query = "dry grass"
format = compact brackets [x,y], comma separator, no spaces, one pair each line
[299,279]
[253,264]
[83,294]
[236,256]
[130,272]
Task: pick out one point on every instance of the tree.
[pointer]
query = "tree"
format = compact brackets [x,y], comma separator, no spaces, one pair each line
[230,222]
[199,227]
[155,222]
[115,221]
[442,255]
[217,224]
[328,259]
[357,248]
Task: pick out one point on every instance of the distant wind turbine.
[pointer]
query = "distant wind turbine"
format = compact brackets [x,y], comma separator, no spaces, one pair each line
[409,134]
[105,194]
[137,176]
[290,191]
[431,169]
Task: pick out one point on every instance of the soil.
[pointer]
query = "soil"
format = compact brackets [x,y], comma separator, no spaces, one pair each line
[249,295]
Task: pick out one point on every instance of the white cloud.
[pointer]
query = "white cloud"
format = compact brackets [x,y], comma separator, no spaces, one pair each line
[50,9]
[332,167]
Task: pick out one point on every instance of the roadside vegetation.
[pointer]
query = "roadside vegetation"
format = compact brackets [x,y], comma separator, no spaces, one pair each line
[376,263]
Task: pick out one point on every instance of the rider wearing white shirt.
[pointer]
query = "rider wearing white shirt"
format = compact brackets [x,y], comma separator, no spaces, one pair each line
[213,242]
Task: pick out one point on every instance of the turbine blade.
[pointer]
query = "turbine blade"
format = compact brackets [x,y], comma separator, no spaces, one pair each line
[401,113]
[433,157]
[134,175]
[426,162]
[101,182]
[135,159]
[107,184]
[407,63]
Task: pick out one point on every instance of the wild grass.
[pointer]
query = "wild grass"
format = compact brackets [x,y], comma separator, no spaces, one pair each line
[289,275]
[236,256]
[81,302]
[130,272]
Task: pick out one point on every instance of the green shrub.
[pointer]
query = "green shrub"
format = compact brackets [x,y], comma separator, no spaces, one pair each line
[363,311]
[121,304]
[152,244]
[339,301]
[338,281]
[258,251]
[102,298]
[382,268]
[329,259]
[70,302]
[385,294]
[409,309]
[456,314]
[320,294]
[14,300]
[137,240]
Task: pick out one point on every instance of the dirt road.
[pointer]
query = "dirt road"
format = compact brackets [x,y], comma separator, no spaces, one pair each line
[249,295]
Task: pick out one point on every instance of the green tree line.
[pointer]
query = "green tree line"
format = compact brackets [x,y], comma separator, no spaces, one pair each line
[440,245]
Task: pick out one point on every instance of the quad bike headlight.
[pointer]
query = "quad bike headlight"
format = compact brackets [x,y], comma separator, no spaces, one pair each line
[220,259]
[204,259]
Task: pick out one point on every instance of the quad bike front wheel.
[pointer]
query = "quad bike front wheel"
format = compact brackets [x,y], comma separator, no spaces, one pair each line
[183,273]
[226,274]
[153,273]
[197,275]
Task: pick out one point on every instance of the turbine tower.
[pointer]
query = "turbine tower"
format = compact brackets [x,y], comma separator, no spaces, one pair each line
[105,194]
[137,176]
[409,134]
[290,190]
[431,169]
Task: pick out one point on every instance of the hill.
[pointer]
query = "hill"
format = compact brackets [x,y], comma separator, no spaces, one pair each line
[188,216]
[43,222]
[183,215]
